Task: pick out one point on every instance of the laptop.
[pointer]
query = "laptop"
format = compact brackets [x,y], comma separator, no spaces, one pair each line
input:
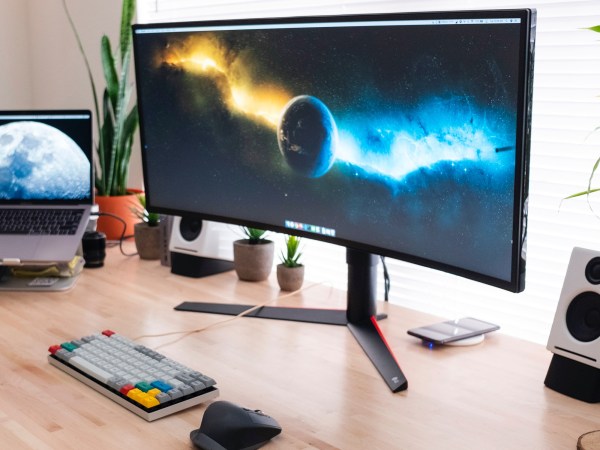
[46,170]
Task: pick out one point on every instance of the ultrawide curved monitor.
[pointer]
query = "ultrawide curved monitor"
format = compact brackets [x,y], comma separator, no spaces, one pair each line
[404,135]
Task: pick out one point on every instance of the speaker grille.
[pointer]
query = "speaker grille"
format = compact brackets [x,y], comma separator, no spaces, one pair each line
[190,228]
[583,316]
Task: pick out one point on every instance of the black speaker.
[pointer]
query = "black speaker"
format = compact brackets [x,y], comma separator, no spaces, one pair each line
[200,248]
[575,334]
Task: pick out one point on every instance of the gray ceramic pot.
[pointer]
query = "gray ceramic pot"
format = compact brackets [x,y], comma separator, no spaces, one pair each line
[253,262]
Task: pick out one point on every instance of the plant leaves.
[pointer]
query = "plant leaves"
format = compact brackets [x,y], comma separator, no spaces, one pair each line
[127,14]
[106,154]
[290,259]
[116,127]
[110,72]
[589,189]
[118,150]
[579,194]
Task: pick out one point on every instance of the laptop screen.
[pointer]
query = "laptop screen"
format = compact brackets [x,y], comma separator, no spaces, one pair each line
[46,157]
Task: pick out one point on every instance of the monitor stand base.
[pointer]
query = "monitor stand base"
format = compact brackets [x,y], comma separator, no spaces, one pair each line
[360,317]
[309,315]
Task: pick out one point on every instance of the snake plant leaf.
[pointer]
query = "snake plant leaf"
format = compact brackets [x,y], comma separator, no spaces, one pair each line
[107,134]
[129,127]
[110,72]
[127,14]
[120,151]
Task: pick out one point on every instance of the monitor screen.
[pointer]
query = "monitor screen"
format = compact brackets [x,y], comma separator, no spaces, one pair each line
[403,135]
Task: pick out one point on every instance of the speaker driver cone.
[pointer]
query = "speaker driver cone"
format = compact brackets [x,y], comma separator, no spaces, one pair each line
[592,270]
[190,228]
[583,316]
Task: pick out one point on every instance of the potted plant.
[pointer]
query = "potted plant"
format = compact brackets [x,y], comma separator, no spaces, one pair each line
[147,232]
[253,256]
[290,273]
[117,123]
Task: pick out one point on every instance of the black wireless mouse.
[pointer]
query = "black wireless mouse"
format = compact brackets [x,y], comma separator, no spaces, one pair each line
[227,426]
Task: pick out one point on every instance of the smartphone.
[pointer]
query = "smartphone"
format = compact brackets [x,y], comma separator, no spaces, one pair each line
[453,330]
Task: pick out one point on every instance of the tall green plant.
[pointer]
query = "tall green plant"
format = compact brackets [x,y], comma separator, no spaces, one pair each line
[116,125]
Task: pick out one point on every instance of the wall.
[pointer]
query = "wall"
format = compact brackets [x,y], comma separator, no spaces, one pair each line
[50,72]
[15,76]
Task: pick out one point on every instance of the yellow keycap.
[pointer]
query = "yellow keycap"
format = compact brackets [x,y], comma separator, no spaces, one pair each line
[153,392]
[148,401]
[134,394]
[142,398]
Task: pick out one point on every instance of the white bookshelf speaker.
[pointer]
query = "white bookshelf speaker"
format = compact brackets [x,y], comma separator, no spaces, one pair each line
[200,248]
[575,335]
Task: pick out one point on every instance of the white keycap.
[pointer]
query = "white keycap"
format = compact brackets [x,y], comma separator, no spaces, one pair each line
[91,369]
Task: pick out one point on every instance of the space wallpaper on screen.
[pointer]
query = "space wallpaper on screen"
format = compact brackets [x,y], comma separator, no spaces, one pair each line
[45,159]
[402,138]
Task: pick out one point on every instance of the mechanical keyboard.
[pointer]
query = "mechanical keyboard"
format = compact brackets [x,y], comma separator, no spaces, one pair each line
[136,377]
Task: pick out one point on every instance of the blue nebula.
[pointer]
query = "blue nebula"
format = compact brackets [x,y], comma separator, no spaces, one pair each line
[449,131]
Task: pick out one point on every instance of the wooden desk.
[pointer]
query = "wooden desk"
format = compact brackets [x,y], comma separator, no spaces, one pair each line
[314,379]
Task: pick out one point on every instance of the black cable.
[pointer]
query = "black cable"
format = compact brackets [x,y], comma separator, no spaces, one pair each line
[123,237]
[386,279]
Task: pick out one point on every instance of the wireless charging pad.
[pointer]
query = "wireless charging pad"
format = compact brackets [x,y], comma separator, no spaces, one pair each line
[467,341]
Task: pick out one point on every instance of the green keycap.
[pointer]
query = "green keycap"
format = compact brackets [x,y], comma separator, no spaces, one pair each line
[143,386]
[68,346]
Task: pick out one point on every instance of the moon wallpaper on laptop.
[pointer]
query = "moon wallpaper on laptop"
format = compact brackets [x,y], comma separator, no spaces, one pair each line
[414,145]
[38,161]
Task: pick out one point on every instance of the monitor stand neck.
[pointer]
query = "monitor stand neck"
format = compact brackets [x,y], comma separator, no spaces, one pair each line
[360,315]
[362,286]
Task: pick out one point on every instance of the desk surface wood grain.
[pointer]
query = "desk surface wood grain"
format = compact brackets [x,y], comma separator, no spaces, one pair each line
[314,379]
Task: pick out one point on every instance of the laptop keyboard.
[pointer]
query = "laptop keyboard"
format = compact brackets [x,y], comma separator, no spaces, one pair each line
[40,221]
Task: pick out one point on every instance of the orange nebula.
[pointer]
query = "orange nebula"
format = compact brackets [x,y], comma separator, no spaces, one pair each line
[244,91]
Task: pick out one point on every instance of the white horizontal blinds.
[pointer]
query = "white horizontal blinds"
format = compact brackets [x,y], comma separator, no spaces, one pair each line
[171,10]
[566,109]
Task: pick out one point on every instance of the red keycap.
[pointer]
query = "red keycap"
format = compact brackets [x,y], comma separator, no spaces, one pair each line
[125,389]
[54,348]
[108,333]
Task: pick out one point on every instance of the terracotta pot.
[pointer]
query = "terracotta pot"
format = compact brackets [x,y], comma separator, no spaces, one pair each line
[147,241]
[290,278]
[120,206]
[253,262]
